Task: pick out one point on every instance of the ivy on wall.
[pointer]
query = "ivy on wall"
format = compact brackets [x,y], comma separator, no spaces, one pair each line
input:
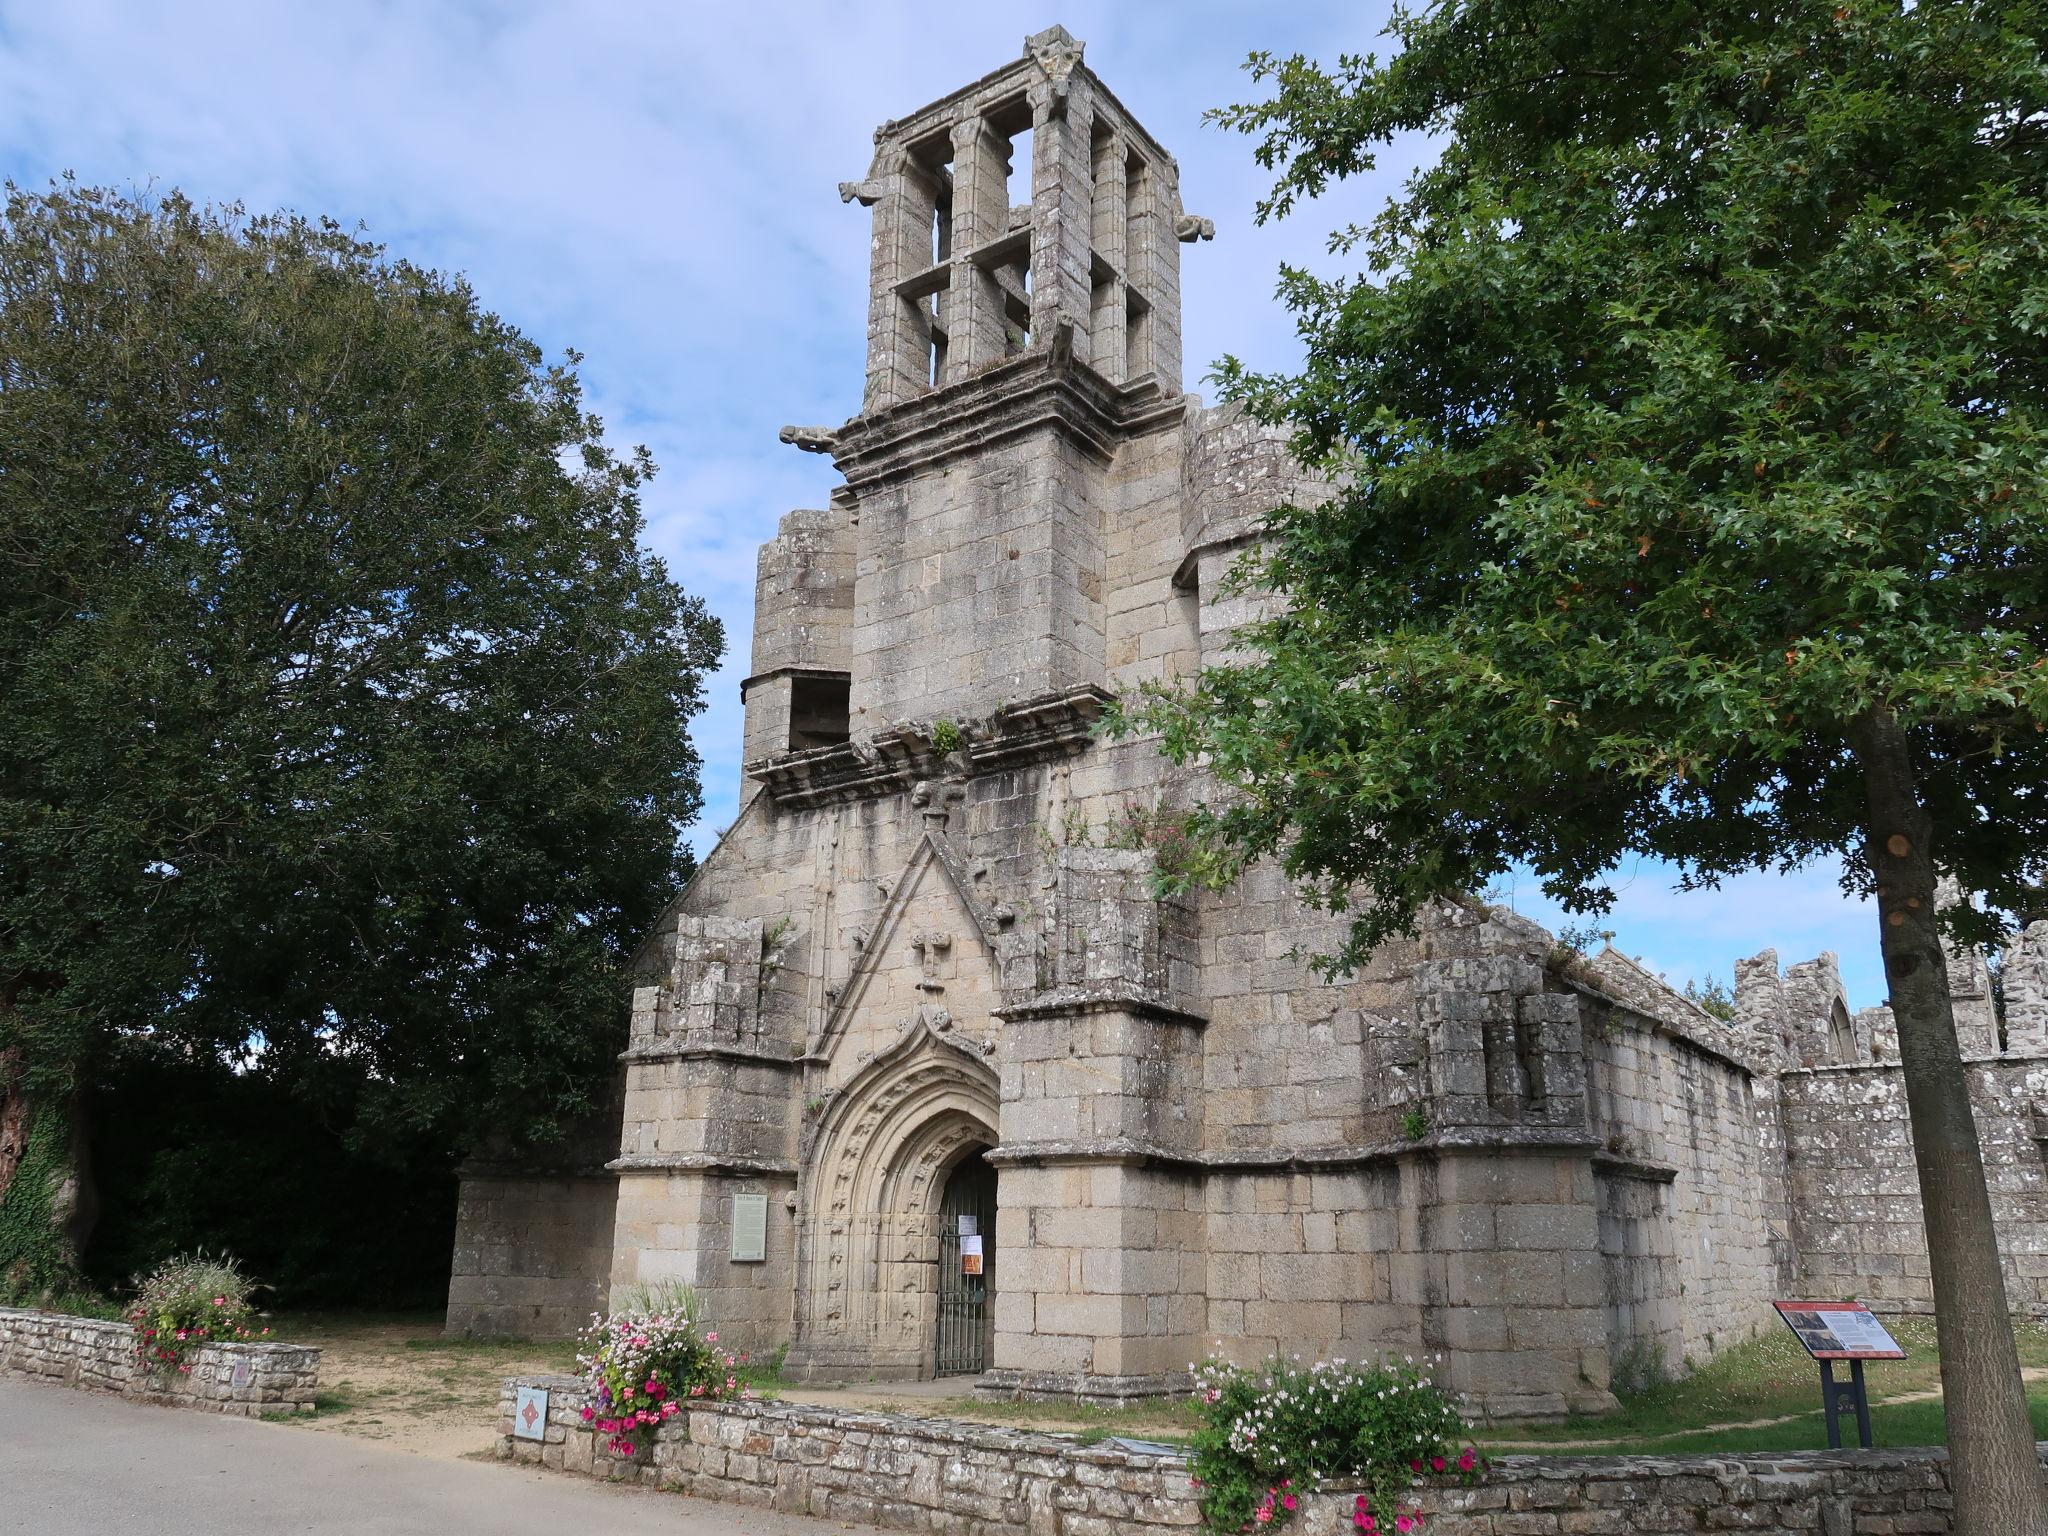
[35,1254]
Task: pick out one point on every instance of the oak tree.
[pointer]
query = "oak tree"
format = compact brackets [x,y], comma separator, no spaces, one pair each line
[1691,407]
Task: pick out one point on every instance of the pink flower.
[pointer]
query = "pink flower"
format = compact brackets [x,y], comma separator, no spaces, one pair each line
[220,1301]
[670,1410]
[710,1338]
[1436,1463]
[589,1413]
[1467,1461]
[1265,1513]
[1288,1502]
[1403,1524]
[1414,1466]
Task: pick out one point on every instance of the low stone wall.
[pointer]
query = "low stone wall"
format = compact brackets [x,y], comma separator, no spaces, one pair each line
[244,1379]
[961,1479]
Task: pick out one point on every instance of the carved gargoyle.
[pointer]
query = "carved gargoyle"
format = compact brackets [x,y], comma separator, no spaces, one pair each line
[810,439]
[1188,228]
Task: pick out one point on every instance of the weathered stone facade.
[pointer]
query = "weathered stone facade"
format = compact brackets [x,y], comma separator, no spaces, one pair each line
[929,951]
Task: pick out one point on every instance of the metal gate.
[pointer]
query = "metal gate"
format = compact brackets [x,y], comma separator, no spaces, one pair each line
[963,1297]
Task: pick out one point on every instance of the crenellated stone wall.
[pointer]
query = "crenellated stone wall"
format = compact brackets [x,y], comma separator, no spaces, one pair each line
[97,1356]
[1856,1195]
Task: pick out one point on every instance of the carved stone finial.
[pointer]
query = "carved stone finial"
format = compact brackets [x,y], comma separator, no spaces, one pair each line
[1056,51]
[810,439]
[1188,229]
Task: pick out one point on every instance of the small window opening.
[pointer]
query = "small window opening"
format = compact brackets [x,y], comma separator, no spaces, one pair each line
[1841,1033]
[820,711]
[1018,172]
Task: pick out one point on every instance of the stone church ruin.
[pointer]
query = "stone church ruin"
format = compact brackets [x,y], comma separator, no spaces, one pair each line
[925,1079]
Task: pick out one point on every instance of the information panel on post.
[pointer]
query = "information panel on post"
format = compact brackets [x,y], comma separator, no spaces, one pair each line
[1839,1330]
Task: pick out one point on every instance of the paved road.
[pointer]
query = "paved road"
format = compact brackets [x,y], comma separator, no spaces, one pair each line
[73,1462]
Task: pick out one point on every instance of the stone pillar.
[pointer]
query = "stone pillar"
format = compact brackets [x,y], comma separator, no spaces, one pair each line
[1107,292]
[1062,209]
[1101,1208]
[710,1101]
[906,199]
[981,214]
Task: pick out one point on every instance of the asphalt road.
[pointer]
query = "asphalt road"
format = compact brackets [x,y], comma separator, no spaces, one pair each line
[74,1462]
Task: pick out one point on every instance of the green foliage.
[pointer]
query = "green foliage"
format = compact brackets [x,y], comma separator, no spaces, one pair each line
[1272,1435]
[947,737]
[296,1172]
[36,1261]
[1712,996]
[346,716]
[1415,1124]
[187,1303]
[1691,413]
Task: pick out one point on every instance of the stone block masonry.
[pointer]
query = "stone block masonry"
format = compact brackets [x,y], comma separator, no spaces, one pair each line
[942,1475]
[243,1379]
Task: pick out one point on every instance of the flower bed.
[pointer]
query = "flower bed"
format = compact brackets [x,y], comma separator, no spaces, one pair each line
[1273,1435]
[640,1370]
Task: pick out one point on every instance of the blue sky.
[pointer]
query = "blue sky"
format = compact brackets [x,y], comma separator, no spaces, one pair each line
[654,185]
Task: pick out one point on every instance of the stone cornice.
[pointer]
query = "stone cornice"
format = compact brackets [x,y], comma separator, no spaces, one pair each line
[1074,1001]
[1131,1152]
[890,762]
[701,1050]
[735,1163]
[1034,390]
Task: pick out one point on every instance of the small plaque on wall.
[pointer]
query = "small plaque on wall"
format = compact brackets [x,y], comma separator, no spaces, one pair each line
[749,1229]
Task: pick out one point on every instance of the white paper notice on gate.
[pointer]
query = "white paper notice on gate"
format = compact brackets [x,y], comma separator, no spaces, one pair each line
[970,1224]
[970,1255]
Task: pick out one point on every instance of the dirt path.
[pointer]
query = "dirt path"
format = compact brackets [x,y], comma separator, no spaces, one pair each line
[401,1383]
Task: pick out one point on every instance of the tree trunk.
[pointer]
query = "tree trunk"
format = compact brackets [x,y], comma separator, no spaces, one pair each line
[1997,1476]
[13,1118]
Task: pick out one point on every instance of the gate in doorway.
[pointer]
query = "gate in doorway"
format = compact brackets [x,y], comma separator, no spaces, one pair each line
[967,1219]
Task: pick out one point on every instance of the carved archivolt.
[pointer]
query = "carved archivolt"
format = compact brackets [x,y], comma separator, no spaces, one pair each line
[872,1188]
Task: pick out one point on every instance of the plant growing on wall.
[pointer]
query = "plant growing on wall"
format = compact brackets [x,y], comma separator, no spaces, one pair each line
[1695,403]
[645,1368]
[1274,1434]
[187,1303]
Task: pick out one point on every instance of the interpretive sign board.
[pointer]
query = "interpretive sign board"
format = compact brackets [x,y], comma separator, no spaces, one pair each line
[530,1414]
[1839,1330]
[749,1229]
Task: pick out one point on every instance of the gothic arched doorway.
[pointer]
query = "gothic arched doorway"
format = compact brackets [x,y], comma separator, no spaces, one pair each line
[967,1249]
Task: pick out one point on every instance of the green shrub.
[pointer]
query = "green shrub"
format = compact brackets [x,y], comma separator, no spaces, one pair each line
[186,1303]
[1273,1435]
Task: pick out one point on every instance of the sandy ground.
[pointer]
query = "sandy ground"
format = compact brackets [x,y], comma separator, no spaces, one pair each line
[400,1382]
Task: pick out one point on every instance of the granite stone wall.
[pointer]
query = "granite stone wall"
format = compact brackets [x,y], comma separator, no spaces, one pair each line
[1855,1195]
[96,1356]
[963,1479]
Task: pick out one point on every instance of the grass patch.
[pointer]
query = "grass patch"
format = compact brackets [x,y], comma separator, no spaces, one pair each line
[1769,1378]
[1168,1419]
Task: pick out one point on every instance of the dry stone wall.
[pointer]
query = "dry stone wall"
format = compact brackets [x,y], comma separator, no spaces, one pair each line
[241,1379]
[962,1479]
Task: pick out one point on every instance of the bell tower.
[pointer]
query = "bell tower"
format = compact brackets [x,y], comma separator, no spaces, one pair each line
[1023,328]
[963,276]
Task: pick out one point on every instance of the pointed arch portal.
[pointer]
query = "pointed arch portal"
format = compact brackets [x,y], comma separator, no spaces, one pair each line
[875,1204]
